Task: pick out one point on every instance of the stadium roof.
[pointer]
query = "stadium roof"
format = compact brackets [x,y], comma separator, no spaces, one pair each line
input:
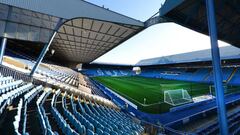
[228,52]
[88,31]
[192,14]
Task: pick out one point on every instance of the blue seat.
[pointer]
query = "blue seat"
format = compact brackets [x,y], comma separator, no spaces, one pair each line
[105,133]
[120,133]
[99,131]
[90,126]
[107,130]
[114,127]
[80,128]
[63,127]
[113,133]
[89,132]
[74,133]
[68,130]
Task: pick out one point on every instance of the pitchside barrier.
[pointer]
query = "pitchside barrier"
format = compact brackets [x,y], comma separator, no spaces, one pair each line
[212,89]
[154,118]
[188,106]
[228,89]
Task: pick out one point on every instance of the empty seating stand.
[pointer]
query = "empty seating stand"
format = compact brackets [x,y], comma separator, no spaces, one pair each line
[44,120]
[103,119]
[73,115]
[89,120]
[59,74]
[15,94]
[64,126]
[213,128]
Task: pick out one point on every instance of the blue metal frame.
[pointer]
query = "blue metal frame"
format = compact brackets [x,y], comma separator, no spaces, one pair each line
[45,49]
[222,118]
[3,46]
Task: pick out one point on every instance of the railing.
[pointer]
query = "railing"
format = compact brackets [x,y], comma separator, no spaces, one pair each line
[170,131]
[17,75]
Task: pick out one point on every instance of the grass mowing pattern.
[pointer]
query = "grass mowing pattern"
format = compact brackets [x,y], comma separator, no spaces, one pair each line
[135,89]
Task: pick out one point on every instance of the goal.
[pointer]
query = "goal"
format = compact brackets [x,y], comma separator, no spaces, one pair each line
[177,97]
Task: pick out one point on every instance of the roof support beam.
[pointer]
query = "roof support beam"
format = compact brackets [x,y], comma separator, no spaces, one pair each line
[3,46]
[217,71]
[4,39]
[45,49]
[155,19]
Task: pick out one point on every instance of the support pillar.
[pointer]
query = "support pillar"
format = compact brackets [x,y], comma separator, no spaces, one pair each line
[45,49]
[217,71]
[3,46]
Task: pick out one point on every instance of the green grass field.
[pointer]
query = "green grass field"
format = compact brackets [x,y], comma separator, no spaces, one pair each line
[135,89]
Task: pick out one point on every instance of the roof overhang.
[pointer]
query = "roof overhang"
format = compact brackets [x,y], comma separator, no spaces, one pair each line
[72,9]
[84,39]
[192,14]
[88,31]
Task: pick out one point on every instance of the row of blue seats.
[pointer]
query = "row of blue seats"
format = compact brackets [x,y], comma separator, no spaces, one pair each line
[66,129]
[4,80]
[92,125]
[44,122]
[61,122]
[77,125]
[91,120]
[237,131]
[95,89]
[11,91]
[233,123]
[7,98]
[9,86]
[3,104]
[108,72]
[200,75]
[128,125]
[17,118]
[212,127]
[59,75]
[103,121]
[28,97]
[89,126]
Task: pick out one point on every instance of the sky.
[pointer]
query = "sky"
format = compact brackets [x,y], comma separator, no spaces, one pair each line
[156,41]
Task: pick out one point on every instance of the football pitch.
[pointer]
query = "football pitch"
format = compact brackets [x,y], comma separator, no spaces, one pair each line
[136,89]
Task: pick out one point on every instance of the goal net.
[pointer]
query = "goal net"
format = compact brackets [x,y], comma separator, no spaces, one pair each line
[177,97]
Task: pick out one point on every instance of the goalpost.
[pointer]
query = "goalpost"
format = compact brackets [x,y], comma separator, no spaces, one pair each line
[177,97]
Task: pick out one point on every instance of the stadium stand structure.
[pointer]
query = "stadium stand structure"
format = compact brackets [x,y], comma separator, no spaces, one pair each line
[86,114]
[47,97]
[199,74]
[96,69]
[182,119]
[227,52]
